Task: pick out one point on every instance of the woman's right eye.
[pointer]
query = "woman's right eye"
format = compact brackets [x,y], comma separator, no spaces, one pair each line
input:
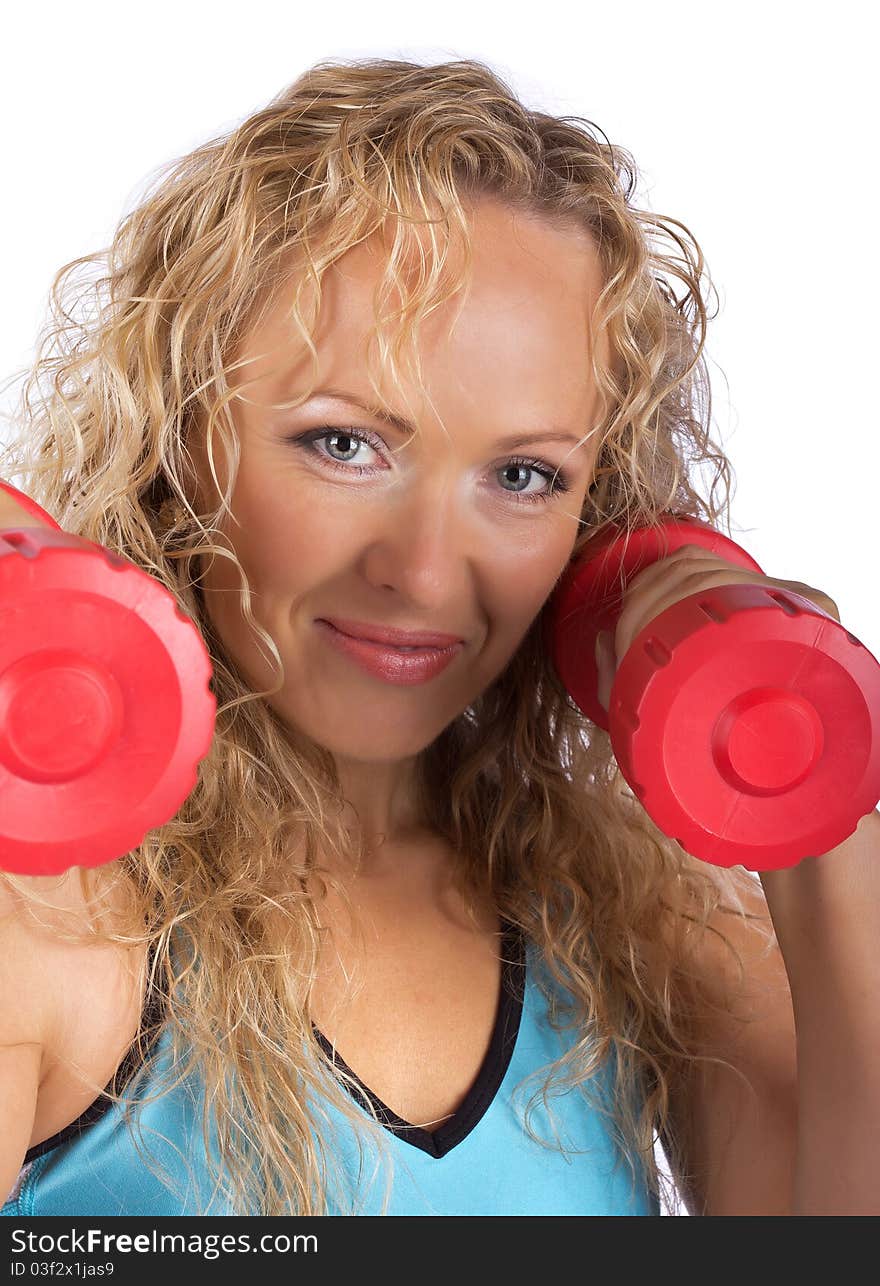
[357,436]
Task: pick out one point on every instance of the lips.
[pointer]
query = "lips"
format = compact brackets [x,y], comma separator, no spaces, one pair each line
[391,636]
[388,662]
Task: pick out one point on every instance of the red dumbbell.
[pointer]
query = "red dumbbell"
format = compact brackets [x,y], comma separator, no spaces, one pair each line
[105,708]
[744,721]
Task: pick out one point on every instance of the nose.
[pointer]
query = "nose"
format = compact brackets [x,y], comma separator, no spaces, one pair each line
[423,546]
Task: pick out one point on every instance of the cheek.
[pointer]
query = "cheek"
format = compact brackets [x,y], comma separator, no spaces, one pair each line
[285,536]
[517,581]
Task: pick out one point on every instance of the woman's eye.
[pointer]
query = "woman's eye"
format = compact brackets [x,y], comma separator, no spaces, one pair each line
[348,442]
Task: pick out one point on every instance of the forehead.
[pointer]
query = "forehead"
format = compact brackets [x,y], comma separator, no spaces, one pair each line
[523,323]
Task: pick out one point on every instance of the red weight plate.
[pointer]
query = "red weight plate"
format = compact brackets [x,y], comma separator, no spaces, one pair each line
[105,708]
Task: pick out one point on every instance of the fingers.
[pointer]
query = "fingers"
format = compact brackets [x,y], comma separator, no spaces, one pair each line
[643,602]
[606,667]
[647,592]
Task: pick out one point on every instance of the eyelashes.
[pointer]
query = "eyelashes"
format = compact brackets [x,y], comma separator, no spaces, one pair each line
[557,478]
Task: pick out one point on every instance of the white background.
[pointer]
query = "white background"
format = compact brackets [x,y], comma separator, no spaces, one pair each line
[751,123]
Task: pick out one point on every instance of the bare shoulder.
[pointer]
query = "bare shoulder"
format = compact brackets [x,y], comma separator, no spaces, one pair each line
[39,962]
[28,952]
[81,1006]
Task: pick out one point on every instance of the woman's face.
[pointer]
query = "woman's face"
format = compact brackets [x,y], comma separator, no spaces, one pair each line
[448,533]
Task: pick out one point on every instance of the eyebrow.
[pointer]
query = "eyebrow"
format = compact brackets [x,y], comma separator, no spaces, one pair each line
[407,427]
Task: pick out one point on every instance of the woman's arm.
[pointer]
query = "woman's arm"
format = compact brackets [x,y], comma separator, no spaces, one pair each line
[826,912]
[805,1142]
[738,1130]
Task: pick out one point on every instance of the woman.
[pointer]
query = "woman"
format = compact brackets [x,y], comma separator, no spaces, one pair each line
[410,945]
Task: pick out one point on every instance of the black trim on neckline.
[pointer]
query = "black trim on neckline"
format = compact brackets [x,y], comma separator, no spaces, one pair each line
[152,1014]
[479,1098]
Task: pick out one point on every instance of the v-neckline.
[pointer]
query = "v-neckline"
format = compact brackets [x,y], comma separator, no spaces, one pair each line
[481,1095]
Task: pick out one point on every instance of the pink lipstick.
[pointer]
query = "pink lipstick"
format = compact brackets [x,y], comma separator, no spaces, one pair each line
[393,664]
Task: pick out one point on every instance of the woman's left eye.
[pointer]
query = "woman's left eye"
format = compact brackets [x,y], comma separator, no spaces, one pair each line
[557,478]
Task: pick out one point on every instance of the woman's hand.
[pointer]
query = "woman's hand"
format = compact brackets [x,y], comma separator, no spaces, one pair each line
[688,570]
[14,514]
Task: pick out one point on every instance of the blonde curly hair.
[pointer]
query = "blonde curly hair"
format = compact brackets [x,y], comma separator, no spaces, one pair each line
[522,786]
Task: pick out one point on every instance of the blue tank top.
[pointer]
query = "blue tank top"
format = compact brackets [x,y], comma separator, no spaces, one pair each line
[479,1161]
